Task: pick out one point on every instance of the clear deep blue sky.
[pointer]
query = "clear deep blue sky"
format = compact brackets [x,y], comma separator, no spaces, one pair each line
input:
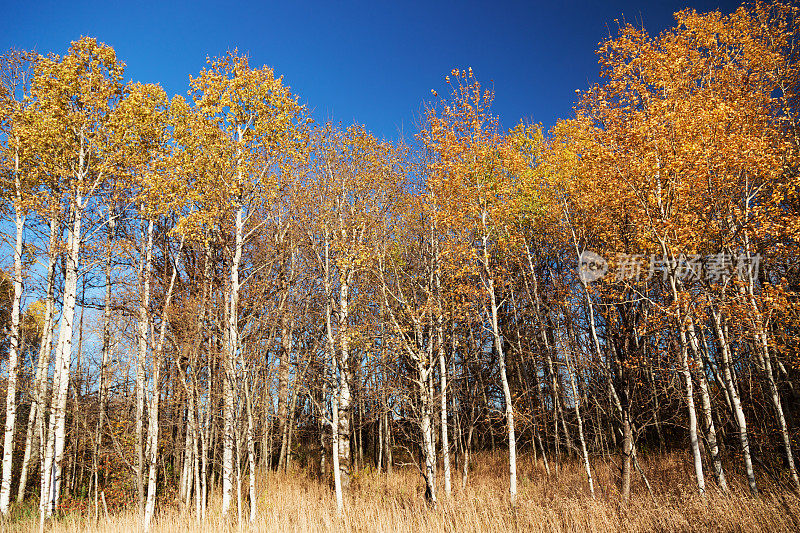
[368,62]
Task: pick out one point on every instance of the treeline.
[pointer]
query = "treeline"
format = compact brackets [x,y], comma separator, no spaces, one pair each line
[206,286]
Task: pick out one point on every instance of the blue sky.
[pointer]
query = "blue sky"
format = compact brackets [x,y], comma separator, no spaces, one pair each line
[368,62]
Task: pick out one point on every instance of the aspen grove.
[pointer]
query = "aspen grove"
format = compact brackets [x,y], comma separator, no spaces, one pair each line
[207,289]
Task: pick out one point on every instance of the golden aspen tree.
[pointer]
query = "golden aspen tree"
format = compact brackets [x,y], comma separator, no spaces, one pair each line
[75,96]
[682,139]
[260,127]
[473,170]
[16,187]
[142,125]
[356,178]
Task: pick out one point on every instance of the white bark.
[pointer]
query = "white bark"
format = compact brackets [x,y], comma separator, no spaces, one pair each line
[105,358]
[576,399]
[344,384]
[442,379]
[331,346]
[421,355]
[38,404]
[337,473]
[230,378]
[488,283]
[694,440]
[51,481]
[778,406]
[762,345]
[143,341]
[693,437]
[251,451]
[708,418]
[426,407]
[443,411]
[14,351]
[152,429]
[738,412]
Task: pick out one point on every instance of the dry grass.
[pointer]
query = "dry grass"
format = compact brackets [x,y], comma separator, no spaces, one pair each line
[296,502]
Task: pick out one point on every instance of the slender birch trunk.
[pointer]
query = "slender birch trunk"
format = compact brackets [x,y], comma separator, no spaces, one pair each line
[627,454]
[387,435]
[778,406]
[763,350]
[251,450]
[283,381]
[442,375]
[509,409]
[14,348]
[426,408]
[380,442]
[36,414]
[185,483]
[290,420]
[51,481]
[153,411]
[618,400]
[337,473]
[331,351]
[761,333]
[689,397]
[238,455]
[738,412]
[143,341]
[229,378]
[543,333]
[198,495]
[344,383]
[205,439]
[694,440]
[708,418]
[576,401]
[105,357]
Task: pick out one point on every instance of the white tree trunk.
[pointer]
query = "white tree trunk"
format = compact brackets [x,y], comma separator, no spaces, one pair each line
[105,358]
[509,409]
[13,355]
[251,450]
[230,378]
[145,269]
[693,437]
[185,483]
[576,399]
[344,384]
[778,406]
[41,422]
[426,407]
[708,418]
[331,348]
[762,342]
[443,411]
[152,445]
[42,365]
[152,429]
[442,381]
[337,473]
[488,283]
[738,412]
[51,481]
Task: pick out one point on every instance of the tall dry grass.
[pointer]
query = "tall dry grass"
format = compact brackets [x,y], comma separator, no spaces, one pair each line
[297,502]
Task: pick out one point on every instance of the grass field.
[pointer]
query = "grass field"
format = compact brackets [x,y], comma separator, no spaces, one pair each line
[295,501]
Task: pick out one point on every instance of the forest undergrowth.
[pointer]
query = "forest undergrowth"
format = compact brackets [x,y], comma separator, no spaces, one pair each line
[298,501]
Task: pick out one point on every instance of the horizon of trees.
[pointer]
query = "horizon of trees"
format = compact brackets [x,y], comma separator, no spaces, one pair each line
[267,291]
